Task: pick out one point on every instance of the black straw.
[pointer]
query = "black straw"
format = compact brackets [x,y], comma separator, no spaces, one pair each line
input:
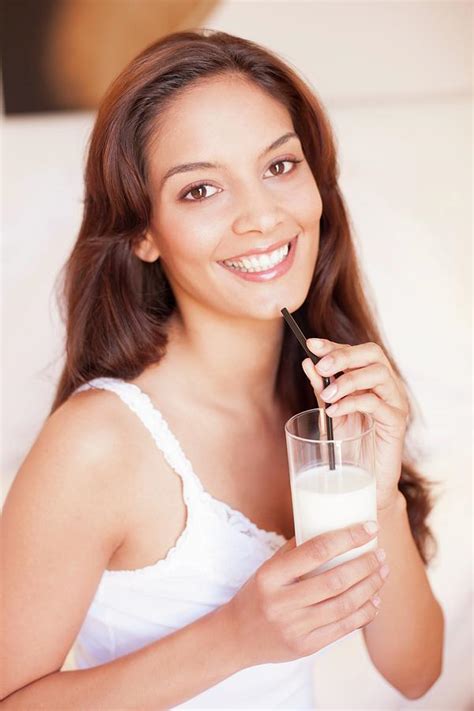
[326,381]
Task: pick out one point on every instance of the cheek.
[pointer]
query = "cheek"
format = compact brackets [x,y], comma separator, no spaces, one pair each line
[184,240]
[189,249]
[306,203]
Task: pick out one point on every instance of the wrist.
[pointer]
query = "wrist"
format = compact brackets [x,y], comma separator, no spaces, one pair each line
[396,506]
[226,631]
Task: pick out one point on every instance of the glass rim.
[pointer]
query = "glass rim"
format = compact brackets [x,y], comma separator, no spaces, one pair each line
[327,441]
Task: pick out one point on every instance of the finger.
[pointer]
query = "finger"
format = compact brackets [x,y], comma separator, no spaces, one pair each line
[313,376]
[346,357]
[340,607]
[374,377]
[384,414]
[314,552]
[333,582]
[322,346]
[322,636]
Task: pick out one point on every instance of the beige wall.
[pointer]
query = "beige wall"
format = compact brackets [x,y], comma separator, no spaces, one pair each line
[396,79]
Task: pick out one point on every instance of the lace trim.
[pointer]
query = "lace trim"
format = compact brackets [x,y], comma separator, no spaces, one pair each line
[239,520]
[169,445]
[140,403]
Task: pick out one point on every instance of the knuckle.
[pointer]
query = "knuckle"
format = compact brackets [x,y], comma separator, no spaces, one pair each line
[335,581]
[347,624]
[356,533]
[350,379]
[367,613]
[376,583]
[359,618]
[345,605]
[262,583]
[373,562]
[320,549]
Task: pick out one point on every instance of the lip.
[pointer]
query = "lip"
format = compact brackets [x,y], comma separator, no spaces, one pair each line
[272,272]
[259,250]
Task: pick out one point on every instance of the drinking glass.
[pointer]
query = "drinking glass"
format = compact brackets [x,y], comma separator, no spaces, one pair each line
[325,499]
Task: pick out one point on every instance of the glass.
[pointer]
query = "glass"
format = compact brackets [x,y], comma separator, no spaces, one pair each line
[324,499]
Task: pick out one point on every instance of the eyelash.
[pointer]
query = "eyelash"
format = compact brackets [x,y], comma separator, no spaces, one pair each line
[201,185]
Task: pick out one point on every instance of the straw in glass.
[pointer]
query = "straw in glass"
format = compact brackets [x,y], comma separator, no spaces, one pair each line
[326,381]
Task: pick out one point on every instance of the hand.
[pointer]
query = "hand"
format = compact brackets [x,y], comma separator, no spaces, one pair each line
[367,372]
[276,618]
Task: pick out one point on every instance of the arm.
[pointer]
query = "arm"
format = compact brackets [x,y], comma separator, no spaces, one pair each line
[405,641]
[158,676]
[64,516]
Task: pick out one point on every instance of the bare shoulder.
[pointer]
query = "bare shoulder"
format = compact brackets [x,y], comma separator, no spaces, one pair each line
[84,436]
[64,516]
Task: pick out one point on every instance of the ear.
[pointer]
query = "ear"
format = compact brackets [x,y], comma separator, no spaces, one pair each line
[146,248]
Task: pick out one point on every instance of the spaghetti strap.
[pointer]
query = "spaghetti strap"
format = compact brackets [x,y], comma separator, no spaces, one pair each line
[140,403]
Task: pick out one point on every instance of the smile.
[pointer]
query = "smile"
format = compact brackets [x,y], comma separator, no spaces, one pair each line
[264,266]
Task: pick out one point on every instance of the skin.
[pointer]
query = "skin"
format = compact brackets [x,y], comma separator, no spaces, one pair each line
[226,337]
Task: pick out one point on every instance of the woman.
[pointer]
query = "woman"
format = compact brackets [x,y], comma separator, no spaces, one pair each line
[170,560]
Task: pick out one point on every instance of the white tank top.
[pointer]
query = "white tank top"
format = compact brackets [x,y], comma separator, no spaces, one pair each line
[218,550]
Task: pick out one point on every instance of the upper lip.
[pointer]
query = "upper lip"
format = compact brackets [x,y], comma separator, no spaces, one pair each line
[261,250]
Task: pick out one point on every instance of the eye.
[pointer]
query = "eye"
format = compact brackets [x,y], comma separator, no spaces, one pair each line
[193,189]
[285,160]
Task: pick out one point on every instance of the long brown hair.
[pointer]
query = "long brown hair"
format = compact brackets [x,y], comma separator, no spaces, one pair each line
[117,305]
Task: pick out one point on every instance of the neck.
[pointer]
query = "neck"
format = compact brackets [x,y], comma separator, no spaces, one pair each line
[228,363]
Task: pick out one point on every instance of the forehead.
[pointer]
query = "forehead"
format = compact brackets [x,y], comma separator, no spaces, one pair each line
[218,118]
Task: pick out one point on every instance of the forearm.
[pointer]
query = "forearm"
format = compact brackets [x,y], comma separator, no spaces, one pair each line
[405,640]
[158,676]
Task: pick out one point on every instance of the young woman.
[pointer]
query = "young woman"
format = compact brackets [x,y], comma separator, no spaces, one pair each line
[170,559]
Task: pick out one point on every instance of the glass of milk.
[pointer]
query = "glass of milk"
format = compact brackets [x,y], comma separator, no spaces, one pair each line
[325,499]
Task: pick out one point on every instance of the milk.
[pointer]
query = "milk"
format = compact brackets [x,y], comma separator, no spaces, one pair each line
[325,499]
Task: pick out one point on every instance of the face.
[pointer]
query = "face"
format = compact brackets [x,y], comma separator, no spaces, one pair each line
[258,197]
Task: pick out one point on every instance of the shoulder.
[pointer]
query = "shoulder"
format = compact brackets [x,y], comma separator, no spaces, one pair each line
[90,422]
[81,454]
[63,518]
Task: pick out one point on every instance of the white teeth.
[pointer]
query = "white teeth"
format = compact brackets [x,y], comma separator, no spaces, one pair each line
[261,263]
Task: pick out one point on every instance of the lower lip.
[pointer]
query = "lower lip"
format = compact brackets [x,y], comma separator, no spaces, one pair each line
[273,272]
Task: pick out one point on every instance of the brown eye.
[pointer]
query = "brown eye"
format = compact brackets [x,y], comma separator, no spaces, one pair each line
[194,192]
[281,162]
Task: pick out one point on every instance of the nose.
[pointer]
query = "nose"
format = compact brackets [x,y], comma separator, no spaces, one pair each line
[260,211]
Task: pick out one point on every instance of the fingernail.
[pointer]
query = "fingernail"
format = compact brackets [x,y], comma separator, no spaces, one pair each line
[376,601]
[329,392]
[381,555]
[306,365]
[371,526]
[315,343]
[384,571]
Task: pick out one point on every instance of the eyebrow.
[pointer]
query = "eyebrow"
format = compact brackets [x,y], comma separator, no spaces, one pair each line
[186,167]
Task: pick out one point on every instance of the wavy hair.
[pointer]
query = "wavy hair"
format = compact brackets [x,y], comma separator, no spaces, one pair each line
[115,306]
